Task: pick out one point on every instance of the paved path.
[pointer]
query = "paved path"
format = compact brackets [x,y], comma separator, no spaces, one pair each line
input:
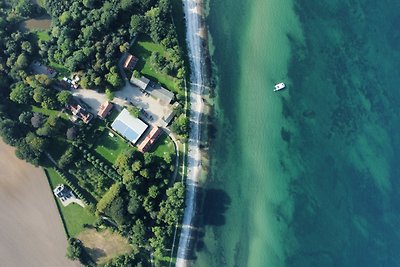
[31,231]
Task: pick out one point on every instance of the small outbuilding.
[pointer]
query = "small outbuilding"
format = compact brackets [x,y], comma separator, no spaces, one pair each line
[130,62]
[141,82]
[161,93]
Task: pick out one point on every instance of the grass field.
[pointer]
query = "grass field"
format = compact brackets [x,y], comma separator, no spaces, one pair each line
[143,49]
[110,147]
[104,246]
[48,112]
[73,215]
[61,70]
[43,35]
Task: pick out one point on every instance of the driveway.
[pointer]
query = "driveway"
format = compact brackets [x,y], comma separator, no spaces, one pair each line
[127,96]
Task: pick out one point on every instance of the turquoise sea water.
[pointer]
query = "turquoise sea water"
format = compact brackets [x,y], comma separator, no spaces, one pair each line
[308,176]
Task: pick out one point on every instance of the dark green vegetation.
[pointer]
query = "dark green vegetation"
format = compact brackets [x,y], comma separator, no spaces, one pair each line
[95,33]
[159,64]
[123,189]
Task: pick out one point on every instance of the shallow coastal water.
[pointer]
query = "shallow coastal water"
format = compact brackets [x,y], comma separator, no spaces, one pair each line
[306,176]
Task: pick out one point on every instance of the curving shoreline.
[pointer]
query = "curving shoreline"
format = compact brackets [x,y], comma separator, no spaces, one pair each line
[197,54]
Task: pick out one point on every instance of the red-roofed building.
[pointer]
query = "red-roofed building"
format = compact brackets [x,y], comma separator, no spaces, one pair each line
[149,140]
[130,62]
[105,109]
[79,112]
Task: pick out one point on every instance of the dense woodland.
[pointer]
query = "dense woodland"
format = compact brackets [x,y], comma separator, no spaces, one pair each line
[91,35]
[135,196]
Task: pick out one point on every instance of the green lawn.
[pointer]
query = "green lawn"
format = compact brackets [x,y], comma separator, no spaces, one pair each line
[110,147]
[48,112]
[61,70]
[163,145]
[142,49]
[43,35]
[73,215]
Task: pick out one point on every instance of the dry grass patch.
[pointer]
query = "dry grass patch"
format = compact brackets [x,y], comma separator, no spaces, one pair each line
[104,246]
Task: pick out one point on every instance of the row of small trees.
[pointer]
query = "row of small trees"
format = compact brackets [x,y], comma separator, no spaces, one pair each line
[99,164]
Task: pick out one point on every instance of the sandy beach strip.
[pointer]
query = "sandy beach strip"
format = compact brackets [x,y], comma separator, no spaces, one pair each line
[31,232]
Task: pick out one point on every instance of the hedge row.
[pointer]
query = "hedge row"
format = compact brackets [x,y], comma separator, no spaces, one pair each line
[109,197]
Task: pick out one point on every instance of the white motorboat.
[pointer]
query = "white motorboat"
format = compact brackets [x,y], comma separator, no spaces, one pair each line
[279,86]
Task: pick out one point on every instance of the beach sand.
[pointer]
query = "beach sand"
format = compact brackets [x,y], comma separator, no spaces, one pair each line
[31,232]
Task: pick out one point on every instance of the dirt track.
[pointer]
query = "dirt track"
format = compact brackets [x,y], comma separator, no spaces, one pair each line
[31,232]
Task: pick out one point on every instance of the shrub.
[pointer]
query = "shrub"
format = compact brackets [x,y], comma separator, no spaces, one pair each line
[108,197]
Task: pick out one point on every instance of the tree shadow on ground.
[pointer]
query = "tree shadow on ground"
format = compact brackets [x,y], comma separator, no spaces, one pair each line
[216,203]
[95,253]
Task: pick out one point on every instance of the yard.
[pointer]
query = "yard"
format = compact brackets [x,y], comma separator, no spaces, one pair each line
[48,112]
[110,147]
[104,246]
[142,49]
[163,146]
[61,70]
[73,215]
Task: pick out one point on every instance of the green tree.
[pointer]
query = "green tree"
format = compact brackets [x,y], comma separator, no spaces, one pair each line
[108,197]
[138,232]
[110,94]
[74,249]
[136,74]
[26,46]
[21,94]
[148,158]
[117,210]
[71,133]
[137,165]
[45,130]
[136,25]
[64,97]
[37,120]
[126,4]
[36,143]
[22,62]
[25,117]
[181,125]
[10,131]
[25,152]
[114,79]
[134,111]
[171,208]
[67,158]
